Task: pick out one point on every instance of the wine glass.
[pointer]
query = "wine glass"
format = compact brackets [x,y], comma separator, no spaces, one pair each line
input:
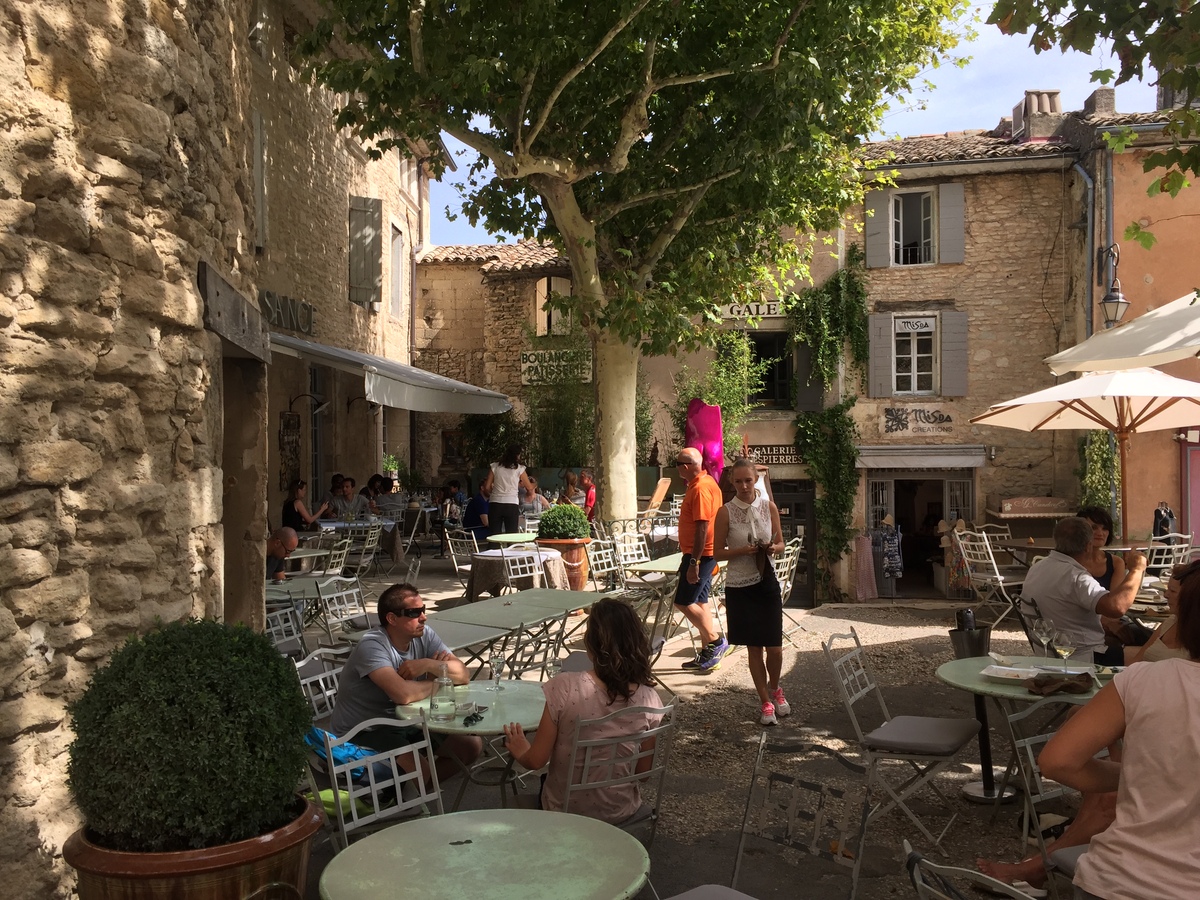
[497,663]
[1064,646]
[1043,631]
[553,667]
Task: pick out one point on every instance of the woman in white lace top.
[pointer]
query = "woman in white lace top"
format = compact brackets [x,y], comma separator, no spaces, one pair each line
[745,534]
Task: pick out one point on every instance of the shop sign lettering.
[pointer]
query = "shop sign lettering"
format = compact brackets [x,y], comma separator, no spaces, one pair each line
[916,420]
[556,366]
[775,455]
[287,312]
[769,310]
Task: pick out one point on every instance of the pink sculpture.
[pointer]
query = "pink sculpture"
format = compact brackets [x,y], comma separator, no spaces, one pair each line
[703,432]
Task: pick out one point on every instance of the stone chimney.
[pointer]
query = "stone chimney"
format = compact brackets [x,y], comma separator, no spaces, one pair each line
[1103,102]
[1038,116]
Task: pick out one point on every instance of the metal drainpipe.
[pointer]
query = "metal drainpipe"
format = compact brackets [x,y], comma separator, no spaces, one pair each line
[1089,257]
[1109,239]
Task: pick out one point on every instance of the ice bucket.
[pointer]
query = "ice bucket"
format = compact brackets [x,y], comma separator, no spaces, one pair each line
[968,642]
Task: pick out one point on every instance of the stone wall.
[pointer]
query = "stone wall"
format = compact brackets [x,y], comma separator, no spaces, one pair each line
[122,165]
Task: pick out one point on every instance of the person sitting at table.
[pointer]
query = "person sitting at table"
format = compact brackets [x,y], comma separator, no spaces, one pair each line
[349,505]
[335,488]
[533,503]
[588,487]
[1098,809]
[372,491]
[620,678]
[295,514]
[475,516]
[1150,848]
[393,665]
[1107,568]
[1073,601]
[570,492]
[280,546]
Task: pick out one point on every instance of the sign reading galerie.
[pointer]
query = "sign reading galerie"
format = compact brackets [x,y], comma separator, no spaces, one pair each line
[916,420]
[769,310]
[553,366]
[775,454]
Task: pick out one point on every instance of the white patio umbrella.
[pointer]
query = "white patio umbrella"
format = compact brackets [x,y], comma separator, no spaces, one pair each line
[1160,336]
[1133,400]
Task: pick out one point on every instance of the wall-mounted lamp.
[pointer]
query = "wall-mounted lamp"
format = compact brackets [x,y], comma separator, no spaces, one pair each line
[991,453]
[372,406]
[1114,304]
[321,406]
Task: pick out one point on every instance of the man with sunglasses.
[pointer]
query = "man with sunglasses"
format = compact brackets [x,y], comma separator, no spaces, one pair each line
[696,517]
[396,664]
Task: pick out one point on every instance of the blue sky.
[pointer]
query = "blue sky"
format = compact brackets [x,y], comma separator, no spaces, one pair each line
[1000,71]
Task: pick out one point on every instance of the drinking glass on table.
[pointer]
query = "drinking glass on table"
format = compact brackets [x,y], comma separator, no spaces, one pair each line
[496,661]
[553,667]
[1043,632]
[1064,646]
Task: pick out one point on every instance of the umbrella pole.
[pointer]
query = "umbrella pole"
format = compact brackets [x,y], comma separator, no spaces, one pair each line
[1123,447]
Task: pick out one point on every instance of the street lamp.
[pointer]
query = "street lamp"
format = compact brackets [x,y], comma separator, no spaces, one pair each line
[321,406]
[1113,304]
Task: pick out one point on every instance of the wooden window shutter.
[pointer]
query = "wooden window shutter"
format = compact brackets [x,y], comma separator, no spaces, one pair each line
[366,250]
[953,330]
[810,393]
[951,224]
[876,229]
[879,369]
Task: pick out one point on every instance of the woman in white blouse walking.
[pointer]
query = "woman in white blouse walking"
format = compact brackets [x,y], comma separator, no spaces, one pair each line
[746,533]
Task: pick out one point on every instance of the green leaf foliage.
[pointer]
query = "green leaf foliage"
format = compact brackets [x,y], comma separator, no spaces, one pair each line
[1098,472]
[733,376]
[566,520]
[827,442]
[192,736]
[833,318]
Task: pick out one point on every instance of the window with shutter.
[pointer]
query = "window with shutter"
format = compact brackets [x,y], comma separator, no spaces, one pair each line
[552,321]
[397,264]
[810,392]
[259,164]
[776,349]
[915,227]
[366,250]
[919,353]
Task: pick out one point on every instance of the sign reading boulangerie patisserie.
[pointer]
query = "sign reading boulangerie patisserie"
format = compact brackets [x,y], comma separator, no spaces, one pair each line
[554,366]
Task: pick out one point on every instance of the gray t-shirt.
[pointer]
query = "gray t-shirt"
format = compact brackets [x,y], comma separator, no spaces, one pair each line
[358,697]
[1067,594]
[356,507]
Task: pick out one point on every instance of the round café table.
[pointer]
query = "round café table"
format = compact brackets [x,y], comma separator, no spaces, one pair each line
[513,537]
[498,854]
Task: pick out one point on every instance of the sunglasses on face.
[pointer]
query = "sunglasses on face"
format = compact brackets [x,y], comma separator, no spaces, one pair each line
[412,612]
[682,462]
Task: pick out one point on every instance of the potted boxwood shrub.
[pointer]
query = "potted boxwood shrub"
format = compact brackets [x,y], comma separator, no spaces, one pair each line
[565,528]
[188,751]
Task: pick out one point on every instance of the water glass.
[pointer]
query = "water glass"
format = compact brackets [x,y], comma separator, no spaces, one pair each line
[497,663]
[553,667]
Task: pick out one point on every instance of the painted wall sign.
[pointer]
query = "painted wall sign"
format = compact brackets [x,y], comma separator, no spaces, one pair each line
[915,324]
[775,455]
[549,366]
[287,312]
[916,420]
[771,310]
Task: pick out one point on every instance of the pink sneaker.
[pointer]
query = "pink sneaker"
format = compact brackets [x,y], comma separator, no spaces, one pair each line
[782,707]
[768,714]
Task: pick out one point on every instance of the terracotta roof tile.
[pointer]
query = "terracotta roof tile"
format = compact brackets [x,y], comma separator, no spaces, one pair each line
[958,146]
[1131,118]
[519,257]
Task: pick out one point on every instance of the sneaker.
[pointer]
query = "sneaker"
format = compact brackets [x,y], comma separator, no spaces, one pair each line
[768,714]
[710,656]
[782,707]
[693,663]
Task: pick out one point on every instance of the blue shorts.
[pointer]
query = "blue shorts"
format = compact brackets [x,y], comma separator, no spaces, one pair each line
[687,593]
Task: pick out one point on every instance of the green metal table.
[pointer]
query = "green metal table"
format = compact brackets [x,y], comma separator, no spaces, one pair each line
[513,537]
[498,854]
[664,565]
[559,601]
[508,611]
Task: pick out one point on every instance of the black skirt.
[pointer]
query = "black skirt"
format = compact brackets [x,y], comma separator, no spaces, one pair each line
[755,612]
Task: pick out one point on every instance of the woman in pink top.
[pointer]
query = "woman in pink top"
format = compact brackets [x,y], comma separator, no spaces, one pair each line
[620,678]
[1150,848]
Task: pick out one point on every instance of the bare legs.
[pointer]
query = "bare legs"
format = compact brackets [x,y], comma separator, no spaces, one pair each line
[765,665]
[1096,813]
[701,618]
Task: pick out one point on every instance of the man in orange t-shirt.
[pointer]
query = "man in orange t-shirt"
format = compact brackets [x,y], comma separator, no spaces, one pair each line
[696,517]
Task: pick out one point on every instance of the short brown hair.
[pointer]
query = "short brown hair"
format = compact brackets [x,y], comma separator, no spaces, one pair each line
[1187,627]
[392,600]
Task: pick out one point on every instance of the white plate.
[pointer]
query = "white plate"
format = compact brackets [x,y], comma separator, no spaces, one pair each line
[1008,674]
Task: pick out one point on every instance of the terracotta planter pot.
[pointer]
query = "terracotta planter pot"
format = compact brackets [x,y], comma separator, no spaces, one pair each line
[574,557]
[278,859]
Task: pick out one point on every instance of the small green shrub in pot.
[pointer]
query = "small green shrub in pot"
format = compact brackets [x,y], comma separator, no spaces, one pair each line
[191,737]
[563,522]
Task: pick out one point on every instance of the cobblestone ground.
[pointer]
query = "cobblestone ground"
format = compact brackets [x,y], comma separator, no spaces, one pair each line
[717,739]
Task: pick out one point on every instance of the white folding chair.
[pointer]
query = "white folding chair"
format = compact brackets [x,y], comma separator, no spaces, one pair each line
[462,545]
[342,603]
[318,673]
[521,564]
[529,648]
[285,626]
[934,882]
[364,549]
[996,586]
[928,744]
[1166,552]
[335,562]
[786,562]
[610,761]
[377,789]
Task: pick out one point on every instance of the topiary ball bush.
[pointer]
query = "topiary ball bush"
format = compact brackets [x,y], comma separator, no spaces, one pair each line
[192,736]
[562,522]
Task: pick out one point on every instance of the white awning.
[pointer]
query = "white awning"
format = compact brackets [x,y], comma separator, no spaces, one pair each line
[394,384]
[928,456]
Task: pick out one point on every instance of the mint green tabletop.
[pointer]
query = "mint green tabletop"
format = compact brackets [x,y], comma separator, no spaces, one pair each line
[455,635]
[520,701]
[506,611]
[498,854]
[513,537]
[559,601]
[667,565]
[965,675]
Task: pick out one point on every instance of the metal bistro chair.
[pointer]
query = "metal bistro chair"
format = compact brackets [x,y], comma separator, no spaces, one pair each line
[285,626]
[934,882]
[365,548]
[928,744]
[786,562]
[376,790]
[318,673]
[336,561]
[521,564]
[996,586]
[1166,552]
[462,545]
[610,761]
[342,603]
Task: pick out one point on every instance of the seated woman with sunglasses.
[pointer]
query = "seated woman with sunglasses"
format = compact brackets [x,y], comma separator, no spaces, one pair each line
[396,664]
[619,679]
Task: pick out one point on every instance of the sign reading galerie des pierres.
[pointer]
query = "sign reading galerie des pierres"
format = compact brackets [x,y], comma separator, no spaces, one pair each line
[553,366]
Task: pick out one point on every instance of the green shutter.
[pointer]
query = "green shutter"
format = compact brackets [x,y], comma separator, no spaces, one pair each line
[876,229]
[366,250]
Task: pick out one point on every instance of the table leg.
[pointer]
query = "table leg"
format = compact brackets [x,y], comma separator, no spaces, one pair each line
[984,791]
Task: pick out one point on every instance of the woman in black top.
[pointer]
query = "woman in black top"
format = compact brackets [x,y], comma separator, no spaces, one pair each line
[295,513]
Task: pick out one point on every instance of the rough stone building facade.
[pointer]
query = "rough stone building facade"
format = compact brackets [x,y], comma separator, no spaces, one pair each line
[177,213]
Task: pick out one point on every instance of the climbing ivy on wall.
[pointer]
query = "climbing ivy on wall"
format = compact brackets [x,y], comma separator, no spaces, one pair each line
[1097,472]
[832,319]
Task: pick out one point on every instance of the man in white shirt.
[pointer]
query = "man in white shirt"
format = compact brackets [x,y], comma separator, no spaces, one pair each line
[1067,594]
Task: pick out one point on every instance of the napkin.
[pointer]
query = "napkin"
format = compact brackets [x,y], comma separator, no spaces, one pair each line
[1048,683]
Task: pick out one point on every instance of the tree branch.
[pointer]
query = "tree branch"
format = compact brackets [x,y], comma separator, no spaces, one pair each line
[669,232]
[773,63]
[416,14]
[635,119]
[579,67]
[519,144]
[609,211]
[507,166]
